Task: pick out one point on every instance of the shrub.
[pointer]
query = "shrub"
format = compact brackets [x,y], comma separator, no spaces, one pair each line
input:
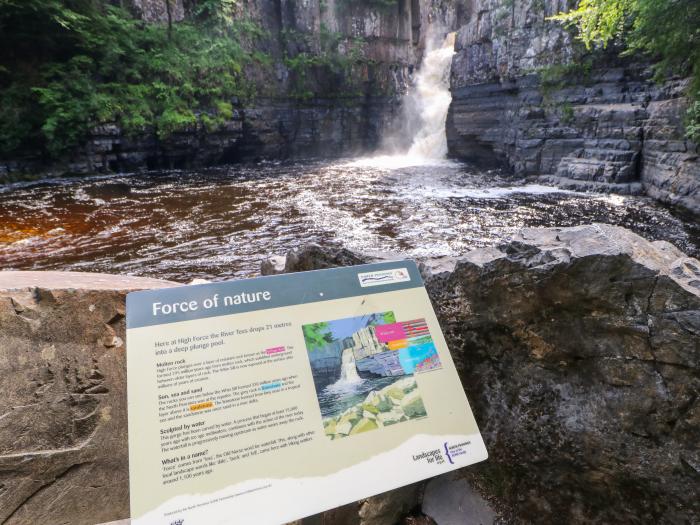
[87,64]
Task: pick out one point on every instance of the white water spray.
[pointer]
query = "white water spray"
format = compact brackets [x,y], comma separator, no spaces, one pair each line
[432,99]
[424,112]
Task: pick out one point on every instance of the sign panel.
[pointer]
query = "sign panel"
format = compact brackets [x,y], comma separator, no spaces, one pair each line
[267,400]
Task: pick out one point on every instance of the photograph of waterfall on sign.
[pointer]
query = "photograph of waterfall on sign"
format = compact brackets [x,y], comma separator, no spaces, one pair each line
[363,369]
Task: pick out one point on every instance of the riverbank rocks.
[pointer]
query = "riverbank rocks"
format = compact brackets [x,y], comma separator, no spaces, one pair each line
[392,404]
[524,96]
[449,500]
[579,349]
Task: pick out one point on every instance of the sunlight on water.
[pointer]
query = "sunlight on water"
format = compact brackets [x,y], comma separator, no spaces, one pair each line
[219,223]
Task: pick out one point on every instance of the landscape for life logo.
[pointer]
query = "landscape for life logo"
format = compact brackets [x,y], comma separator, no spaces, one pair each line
[363,369]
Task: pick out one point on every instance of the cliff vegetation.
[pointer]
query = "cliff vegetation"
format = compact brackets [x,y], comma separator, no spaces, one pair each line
[74,64]
[666,30]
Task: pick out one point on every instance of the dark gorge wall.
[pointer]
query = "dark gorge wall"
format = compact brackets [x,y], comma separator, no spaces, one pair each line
[327,80]
[526,97]
[274,128]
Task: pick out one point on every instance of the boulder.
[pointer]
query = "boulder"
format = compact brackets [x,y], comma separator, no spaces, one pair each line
[450,500]
[579,350]
[363,425]
[391,417]
[412,404]
[389,507]
[311,257]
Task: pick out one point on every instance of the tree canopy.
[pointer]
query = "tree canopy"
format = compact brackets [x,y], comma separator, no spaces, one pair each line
[317,335]
[69,65]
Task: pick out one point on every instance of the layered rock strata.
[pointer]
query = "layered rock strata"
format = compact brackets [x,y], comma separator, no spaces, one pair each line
[526,97]
[330,82]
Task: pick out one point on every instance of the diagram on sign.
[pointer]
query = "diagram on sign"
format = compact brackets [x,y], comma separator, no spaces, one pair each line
[364,371]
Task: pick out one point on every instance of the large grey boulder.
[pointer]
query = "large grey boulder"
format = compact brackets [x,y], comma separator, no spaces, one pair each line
[579,349]
[450,500]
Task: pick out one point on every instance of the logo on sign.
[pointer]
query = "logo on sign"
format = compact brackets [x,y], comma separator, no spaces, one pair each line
[398,275]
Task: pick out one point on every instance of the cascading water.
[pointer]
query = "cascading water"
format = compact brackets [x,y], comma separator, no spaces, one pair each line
[431,97]
[348,370]
[420,137]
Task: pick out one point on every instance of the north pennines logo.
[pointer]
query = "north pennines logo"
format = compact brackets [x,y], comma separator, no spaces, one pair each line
[397,275]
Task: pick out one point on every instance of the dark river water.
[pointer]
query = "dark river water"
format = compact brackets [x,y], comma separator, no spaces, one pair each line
[219,223]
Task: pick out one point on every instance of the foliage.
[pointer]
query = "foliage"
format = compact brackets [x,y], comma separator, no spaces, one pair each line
[337,55]
[317,335]
[692,124]
[218,13]
[388,317]
[599,21]
[78,63]
[557,76]
[567,113]
[667,30]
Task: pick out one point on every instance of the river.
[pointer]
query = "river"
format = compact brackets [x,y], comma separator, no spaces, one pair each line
[219,223]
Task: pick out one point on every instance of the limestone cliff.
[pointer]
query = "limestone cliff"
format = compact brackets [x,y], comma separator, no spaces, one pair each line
[525,96]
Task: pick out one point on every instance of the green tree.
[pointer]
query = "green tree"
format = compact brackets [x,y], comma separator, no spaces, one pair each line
[388,317]
[317,335]
[69,65]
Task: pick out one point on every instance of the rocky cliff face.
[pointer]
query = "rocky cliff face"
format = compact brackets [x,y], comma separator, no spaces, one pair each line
[524,96]
[273,129]
[305,103]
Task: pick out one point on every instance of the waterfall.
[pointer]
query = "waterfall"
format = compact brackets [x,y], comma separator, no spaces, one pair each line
[348,370]
[430,98]
[419,138]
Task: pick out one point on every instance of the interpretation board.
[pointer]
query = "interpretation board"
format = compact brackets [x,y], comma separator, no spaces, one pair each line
[266,400]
